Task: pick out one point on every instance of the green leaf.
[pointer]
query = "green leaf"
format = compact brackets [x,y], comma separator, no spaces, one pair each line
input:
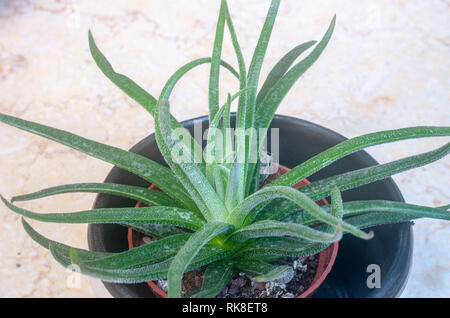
[276,228]
[388,208]
[320,189]
[144,254]
[270,103]
[152,252]
[187,253]
[189,174]
[350,146]
[131,88]
[280,69]
[244,148]
[281,246]
[239,214]
[258,59]
[127,85]
[240,118]
[215,278]
[155,173]
[190,143]
[233,194]
[265,272]
[65,249]
[207,255]
[353,179]
[157,230]
[215,65]
[146,196]
[289,246]
[160,215]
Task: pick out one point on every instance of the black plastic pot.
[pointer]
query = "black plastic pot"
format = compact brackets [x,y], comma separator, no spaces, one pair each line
[391,248]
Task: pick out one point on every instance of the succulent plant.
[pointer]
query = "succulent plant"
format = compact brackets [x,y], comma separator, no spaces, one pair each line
[219,213]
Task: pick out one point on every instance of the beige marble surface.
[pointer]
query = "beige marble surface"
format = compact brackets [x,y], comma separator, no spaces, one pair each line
[387,66]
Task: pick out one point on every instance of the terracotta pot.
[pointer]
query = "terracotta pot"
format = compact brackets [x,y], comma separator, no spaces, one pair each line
[326,257]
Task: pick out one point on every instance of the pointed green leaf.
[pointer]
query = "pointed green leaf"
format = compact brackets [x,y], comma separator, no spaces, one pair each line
[265,272]
[155,173]
[239,214]
[269,105]
[215,65]
[320,189]
[280,69]
[240,118]
[388,208]
[146,196]
[152,252]
[127,85]
[257,61]
[275,228]
[189,174]
[161,215]
[207,255]
[350,146]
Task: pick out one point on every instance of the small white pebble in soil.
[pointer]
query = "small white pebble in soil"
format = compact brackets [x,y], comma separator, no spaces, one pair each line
[162,283]
[298,265]
[147,239]
[271,287]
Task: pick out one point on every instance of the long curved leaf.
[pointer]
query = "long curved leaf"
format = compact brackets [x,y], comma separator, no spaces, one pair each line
[239,214]
[144,254]
[280,69]
[350,146]
[152,252]
[353,179]
[265,272]
[257,61]
[281,246]
[208,254]
[127,85]
[187,253]
[137,164]
[388,208]
[276,228]
[290,246]
[160,215]
[215,65]
[269,105]
[322,188]
[144,195]
[65,249]
[240,118]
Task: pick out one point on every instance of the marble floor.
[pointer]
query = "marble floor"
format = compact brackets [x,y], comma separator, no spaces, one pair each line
[386,67]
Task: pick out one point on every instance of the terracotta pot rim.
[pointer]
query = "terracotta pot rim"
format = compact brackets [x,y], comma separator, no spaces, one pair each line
[327,257]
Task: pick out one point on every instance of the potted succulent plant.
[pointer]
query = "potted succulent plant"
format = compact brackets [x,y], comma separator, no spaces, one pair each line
[224,215]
